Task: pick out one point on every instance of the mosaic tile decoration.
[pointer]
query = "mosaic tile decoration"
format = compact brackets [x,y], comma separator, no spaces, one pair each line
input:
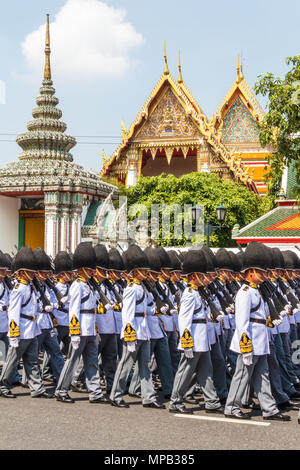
[239,125]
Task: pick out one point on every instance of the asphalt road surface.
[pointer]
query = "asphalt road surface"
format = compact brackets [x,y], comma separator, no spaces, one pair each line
[41,424]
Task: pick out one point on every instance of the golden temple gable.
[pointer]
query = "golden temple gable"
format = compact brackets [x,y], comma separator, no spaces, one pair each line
[171,134]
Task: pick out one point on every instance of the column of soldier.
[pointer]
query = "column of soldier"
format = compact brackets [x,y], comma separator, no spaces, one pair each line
[195,325]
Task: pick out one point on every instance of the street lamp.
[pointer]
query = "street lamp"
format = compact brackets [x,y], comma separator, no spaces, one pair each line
[209,228]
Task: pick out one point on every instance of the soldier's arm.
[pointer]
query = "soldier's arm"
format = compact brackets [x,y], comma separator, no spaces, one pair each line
[242,319]
[128,311]
[186,311]
[14,311]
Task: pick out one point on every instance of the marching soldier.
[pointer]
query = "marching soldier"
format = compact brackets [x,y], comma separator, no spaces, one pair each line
[82,329]
[194,341]
[250,341]
[23,328]
[135,333]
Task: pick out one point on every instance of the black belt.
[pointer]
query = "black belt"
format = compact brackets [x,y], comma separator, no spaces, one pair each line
[4,308]
[91,310]
[27,317]
[140,314]
[258,320]
[200,320]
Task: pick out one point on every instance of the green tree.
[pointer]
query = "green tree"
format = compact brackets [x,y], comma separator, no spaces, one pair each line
[243,206]
[281,126]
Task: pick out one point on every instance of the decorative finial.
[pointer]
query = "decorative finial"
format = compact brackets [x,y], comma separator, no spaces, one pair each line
[241,68]
[124,130]
[104,158]
[238,78]
[47,69]
[179,68]
[166,70]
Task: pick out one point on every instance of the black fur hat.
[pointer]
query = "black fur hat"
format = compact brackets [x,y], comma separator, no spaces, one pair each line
[135,258]
[175,261]
[224,260]
[153,259]
[290,260]
[164,258]
[116,262]
[84,256]
[210,259]
[102,258]
[256,256]
[43,262]
[194,262]
[63,262]
[25,260]
[240,257]
[277,259]
[3,261]
[235,262]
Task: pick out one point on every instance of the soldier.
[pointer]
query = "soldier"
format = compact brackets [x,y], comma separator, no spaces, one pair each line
[194,341]
[250,341]
[116,269]
[63,271]
[23,328]
[160,353]
[135,333]
[82,329]
[108,349]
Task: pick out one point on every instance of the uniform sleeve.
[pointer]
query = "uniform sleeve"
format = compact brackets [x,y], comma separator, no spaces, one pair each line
[128,311]
[187,307]
[14,311]
[74,309]
[242,319]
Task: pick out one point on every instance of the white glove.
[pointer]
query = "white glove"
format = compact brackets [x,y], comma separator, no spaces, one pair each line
[98,339]
[64,299]
[131,346]
[14,342]
[298,305]
[55,331]
[288,308]
[221,316]
[282,314]
[295,310]
[173,311]
[247,359]
[108,306]
[48,308]
[164,309]
[277,322]
[1,308]
[75,341]
[189,353]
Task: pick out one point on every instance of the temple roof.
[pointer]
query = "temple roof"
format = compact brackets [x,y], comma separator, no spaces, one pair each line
[281,225]
[197,115]
[240,88]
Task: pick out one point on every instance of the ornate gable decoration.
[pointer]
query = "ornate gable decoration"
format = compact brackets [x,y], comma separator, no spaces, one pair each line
[239,125]
[168,119]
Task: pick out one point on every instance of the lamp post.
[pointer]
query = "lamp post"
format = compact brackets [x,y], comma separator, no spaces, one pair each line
[209,228]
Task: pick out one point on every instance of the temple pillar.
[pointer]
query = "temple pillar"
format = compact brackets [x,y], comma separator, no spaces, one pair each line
[75,221]
[64,239]
[132,167]
[52,222]
[203,159]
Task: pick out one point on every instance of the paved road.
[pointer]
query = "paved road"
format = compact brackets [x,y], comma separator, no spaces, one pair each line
[28,423]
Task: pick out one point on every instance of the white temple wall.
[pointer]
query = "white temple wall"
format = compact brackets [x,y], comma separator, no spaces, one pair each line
[9,217]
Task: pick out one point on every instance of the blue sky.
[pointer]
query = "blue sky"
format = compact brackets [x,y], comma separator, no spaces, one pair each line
[126,60]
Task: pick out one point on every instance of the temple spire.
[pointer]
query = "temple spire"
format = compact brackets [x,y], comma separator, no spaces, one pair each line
[238,77]
[47,69]
[166,69]
[180,80]
[241,69]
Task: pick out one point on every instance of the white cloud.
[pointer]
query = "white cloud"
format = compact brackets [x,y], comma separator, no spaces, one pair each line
[88,39]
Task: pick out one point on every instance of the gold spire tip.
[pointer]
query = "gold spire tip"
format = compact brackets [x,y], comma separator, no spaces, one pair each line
[180,80]
[47,69]
[238,78]
[166,69]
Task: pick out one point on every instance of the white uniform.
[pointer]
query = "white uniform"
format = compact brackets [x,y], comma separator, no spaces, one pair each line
[22,312]
[134,302]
